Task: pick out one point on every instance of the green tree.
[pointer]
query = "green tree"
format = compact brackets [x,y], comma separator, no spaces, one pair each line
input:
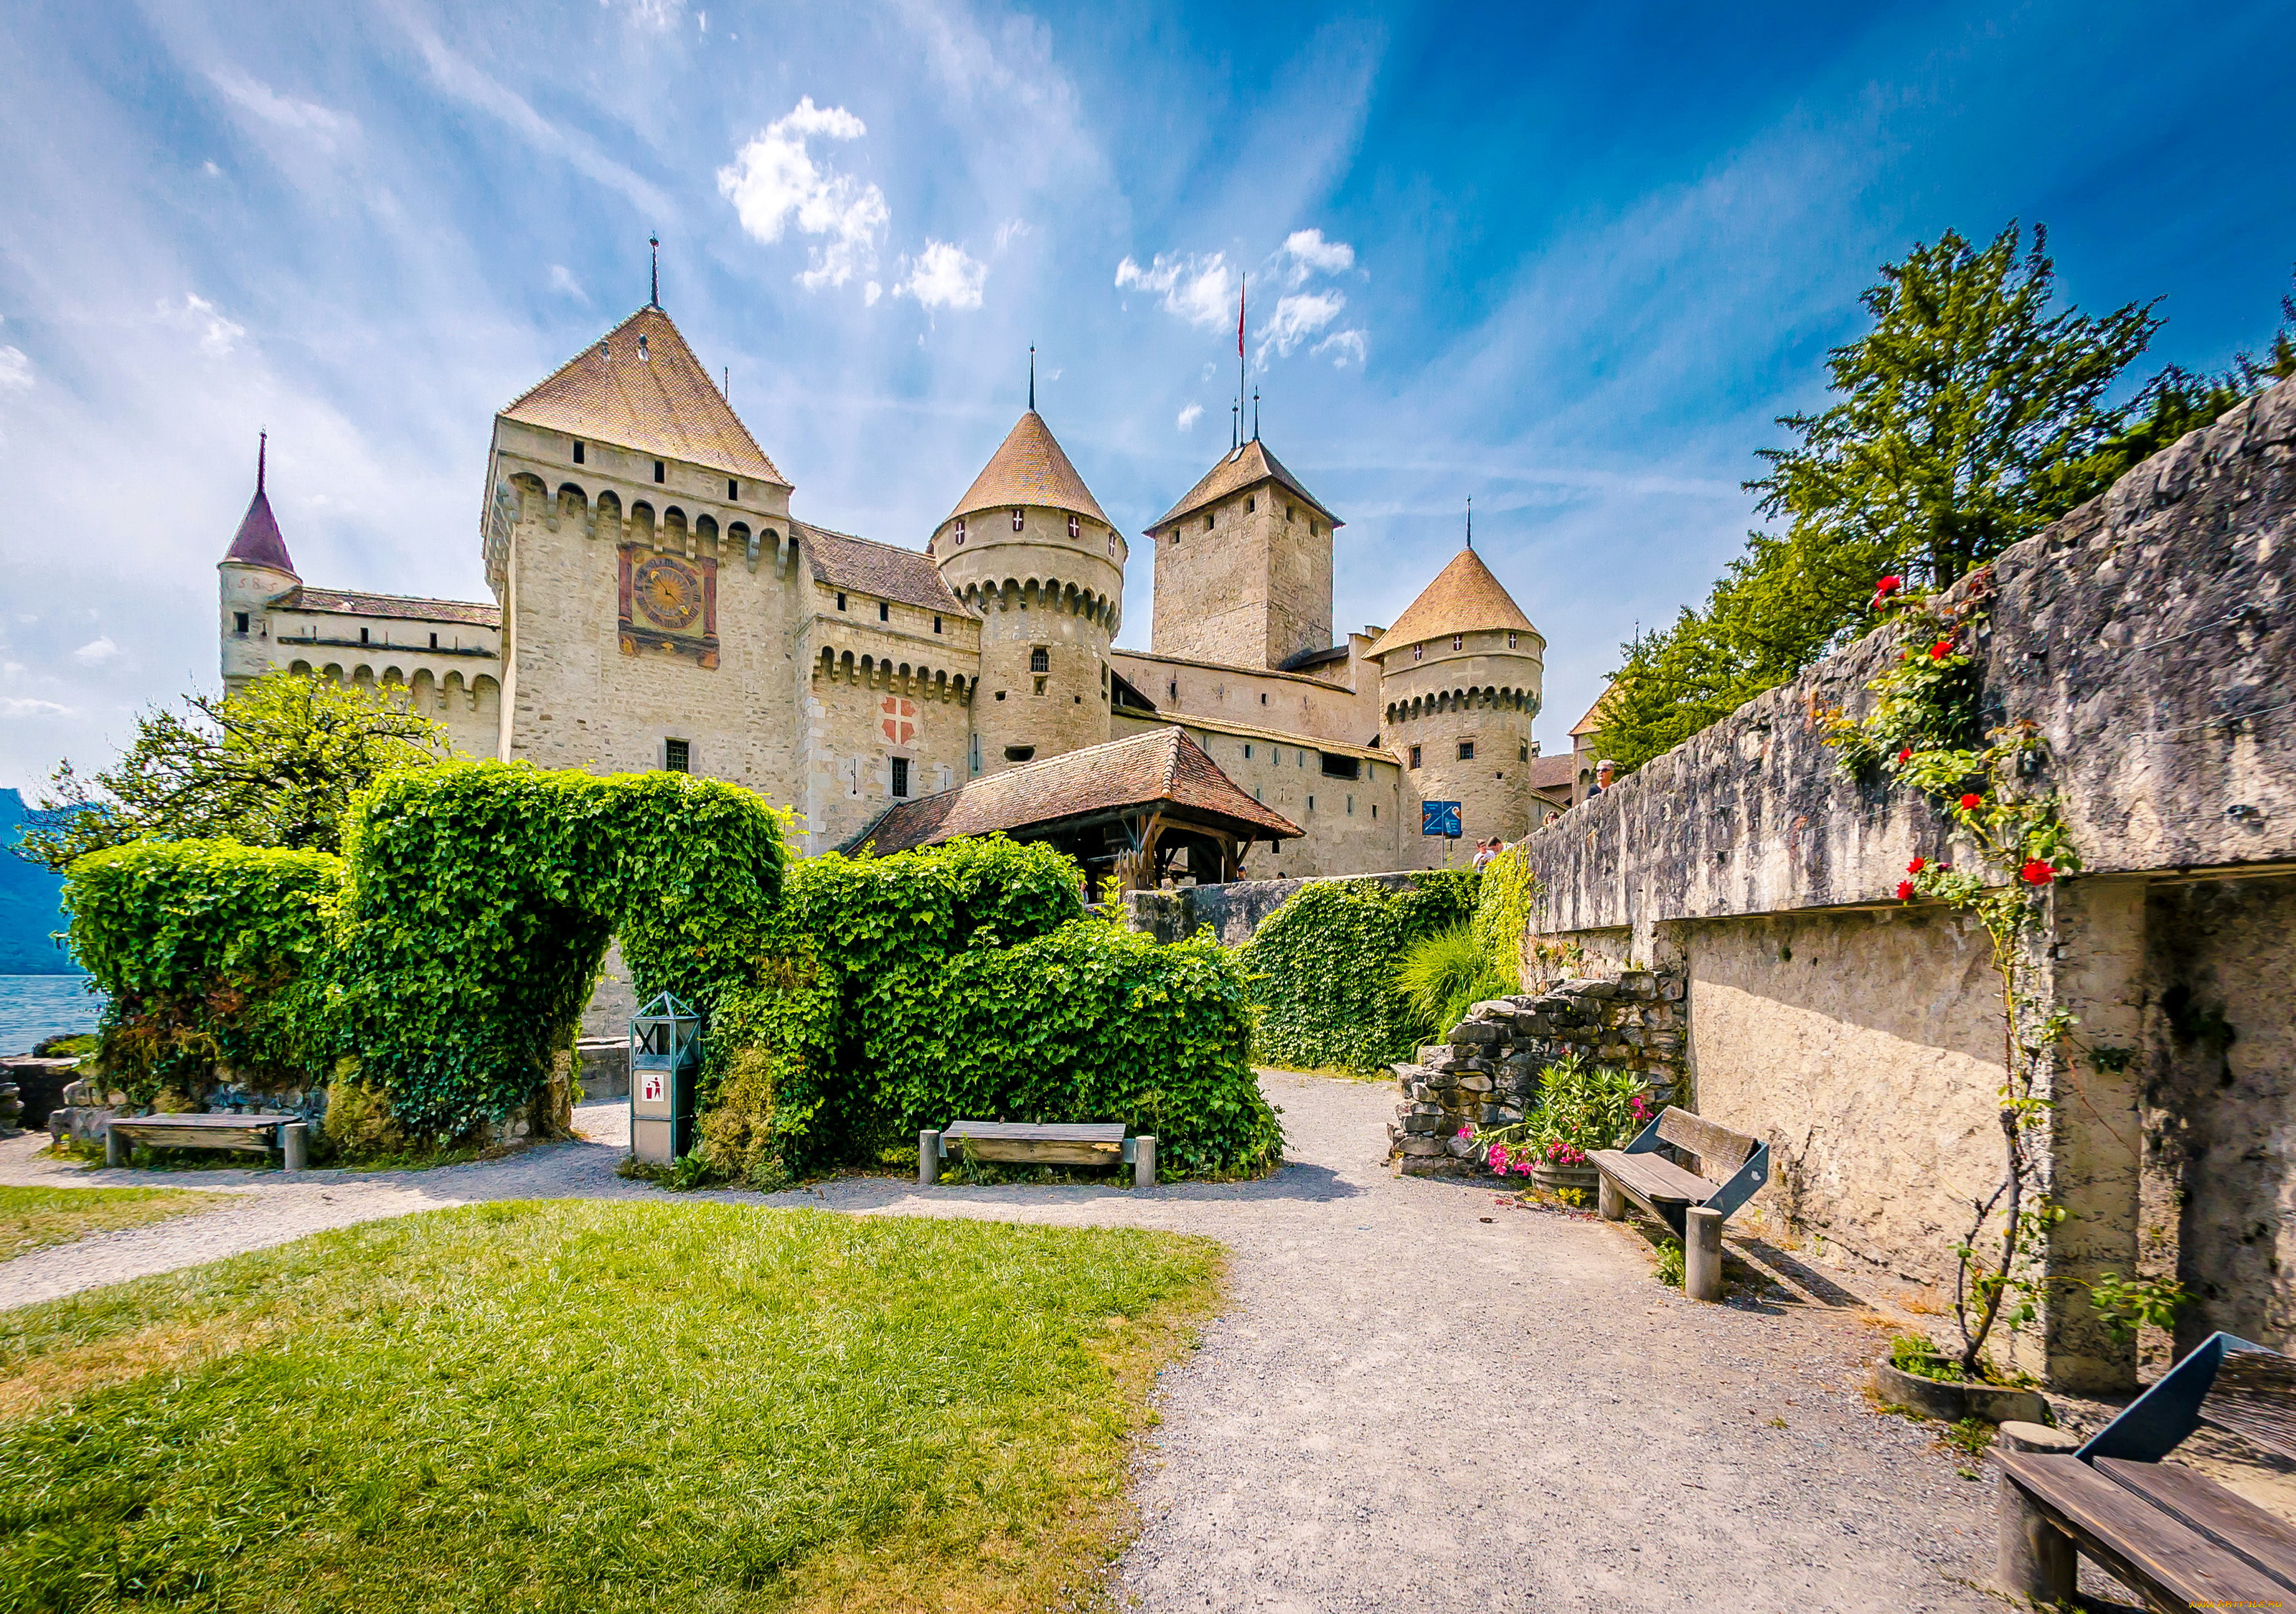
[1971,415]
[273,764]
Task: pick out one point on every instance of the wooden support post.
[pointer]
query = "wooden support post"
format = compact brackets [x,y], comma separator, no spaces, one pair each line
[294,1145]
[2032,1558]
[1701,1254]
[928,1159]
[1143,1163]
[1609,1200]
[114,1147]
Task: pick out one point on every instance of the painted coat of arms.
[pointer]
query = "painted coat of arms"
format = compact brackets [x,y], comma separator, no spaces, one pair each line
[669,604]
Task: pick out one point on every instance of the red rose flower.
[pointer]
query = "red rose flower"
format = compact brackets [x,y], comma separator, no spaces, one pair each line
[2037,873]
[1905,890]
[1888,586]
[1970,804]
[1941,650]
[1905,756]
[1917,866]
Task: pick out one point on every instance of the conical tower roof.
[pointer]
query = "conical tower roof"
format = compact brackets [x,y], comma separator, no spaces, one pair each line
[1029,468]
[258,542]
[640,386]
[1463,598]
[1237,470]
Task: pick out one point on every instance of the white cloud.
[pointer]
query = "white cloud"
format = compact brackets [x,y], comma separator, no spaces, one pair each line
[1311,254]
[1189,416]
[218,333]
[562,281]
[870,293]
[21,706]
[306,120]
[211,171]
[1011,231]
[773,182]
[1342,346]
[1299,315]
[15,370]
[944,276]
[657,16]
[95,652]
[1201,291]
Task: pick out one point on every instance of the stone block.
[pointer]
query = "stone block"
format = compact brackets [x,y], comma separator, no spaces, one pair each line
[1496,1011]
[1475,1084]
[1503,1115]
[1417,1123]
[1468,1038]
[1439,1081]
[1420,1146]
[1462,1149]
[1637,984]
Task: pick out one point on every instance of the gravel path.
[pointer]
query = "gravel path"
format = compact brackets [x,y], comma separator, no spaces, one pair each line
[1404,1405]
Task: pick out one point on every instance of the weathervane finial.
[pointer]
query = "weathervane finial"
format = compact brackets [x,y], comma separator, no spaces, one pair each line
[262,453]
[1032,378]
[1471,520]
[654,282]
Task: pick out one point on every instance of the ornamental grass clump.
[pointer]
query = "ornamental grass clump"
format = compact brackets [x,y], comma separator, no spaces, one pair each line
[1443,975]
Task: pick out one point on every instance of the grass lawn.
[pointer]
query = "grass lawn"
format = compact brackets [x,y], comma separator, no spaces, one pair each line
[582,1406]
[33,1218]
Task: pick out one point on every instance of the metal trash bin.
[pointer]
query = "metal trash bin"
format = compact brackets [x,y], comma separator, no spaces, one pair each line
[665,1058]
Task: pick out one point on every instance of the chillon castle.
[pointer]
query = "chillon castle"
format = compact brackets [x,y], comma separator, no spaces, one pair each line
[657,605]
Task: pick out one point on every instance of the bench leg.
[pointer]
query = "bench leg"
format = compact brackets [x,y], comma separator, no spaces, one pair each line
[2031,1557]
[114,1147]
[1702,1255]
[294,1146]
[928,1159]
[1143,1163]
[1610,1201]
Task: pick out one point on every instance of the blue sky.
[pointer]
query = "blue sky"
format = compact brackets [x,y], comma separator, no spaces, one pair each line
[1568,261]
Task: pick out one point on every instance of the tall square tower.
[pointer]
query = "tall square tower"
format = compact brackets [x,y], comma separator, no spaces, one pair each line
[1243,566]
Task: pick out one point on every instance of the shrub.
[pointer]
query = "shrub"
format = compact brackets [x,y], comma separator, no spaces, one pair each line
[1442,976]
[1323,968]
[737,1128]
[1503,898]
[208,952]
[1579,1111]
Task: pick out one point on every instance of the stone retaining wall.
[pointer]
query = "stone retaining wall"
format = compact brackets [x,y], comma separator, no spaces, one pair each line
[1486,1073]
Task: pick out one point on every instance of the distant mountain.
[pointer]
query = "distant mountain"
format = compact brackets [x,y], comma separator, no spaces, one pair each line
[29,905]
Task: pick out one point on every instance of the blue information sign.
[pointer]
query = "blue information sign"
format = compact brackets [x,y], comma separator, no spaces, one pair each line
[1439,818]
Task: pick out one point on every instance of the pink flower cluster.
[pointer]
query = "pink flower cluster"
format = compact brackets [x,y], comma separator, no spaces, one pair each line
[1563,1154]
[1502,1160]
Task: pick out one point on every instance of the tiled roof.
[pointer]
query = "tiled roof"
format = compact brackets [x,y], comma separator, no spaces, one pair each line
[1029,468]
[1306,658]
[403,608]
[883,571]
[1463,598]
[641,387]
[258,542]
[1274,736]
[1152,770]
[1239,469]
[1554,773]
[1592,720]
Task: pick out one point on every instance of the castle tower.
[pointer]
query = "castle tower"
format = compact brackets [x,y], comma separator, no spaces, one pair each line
[1029,549]
[253,572]
[1460,675]
[1243,566]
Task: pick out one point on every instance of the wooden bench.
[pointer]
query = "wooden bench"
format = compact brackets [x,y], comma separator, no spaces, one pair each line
[1034,1143]
[1693,1203]
[2175,1537]
[257,1134]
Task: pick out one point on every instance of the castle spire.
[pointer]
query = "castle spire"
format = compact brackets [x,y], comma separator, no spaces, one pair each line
[258,542]
[1471,520]
[654,280]
[262,453]
[1032,378]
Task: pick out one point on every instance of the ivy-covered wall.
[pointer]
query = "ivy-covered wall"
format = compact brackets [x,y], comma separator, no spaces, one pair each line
[1322,968]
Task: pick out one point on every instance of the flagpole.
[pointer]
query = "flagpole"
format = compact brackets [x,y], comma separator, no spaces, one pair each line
[1242,290]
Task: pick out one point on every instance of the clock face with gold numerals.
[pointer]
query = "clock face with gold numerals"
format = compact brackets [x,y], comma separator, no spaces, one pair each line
[668,594]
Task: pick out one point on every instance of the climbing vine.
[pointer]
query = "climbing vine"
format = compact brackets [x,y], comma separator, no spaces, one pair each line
[1323,968]
[1922,732]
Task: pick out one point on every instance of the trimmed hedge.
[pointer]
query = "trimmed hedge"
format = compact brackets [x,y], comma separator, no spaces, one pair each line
[1322,968]
[970,982]
[209,951]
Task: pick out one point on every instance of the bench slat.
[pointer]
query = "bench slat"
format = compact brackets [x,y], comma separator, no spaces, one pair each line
[1720,1152]
[1653,1178]
[2134,1539]
[248,1133]
[1085,1132]
[2224,1515]
[194,1123]
[2254,1396]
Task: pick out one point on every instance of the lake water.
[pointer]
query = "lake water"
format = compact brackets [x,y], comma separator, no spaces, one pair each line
[37,1006]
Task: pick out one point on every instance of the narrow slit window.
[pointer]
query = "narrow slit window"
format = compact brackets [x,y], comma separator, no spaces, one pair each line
[434,641]
[884,612]
[660,472]
[732,490]
[900,776]
[577,454]
[1016,521]
[841,601]
[1076,528]
[936,624]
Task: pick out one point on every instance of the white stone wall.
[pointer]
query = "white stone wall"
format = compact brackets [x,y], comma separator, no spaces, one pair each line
[1318,707]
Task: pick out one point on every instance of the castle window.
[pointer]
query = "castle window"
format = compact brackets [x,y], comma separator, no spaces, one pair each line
[677,756]
[1374,812]
[1207,520]
[577,454]
[643,354]
[1458,642]
[1247,750]
[1289,512]
[1315,531]
[975,758]
[1251,503]
[1040,659]
[1000,694]
[434,641]
[1352,805]
[1018,753]
[1173,689]
[1467,750]
[659,474]
[1418,652]
[1263,697]
[900,777]
[1016,521]
[960,529]
[1341,767]
[936,624]
[841,601]
[1524,752]
[1311,803]
[239,621]
[1510,638]
[1040,686]
[884,612]
[1076,528]
[362,635]
[1414,756]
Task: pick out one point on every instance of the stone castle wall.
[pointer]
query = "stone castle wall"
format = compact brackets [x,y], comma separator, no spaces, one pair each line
[1246,581]
[1485,695]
